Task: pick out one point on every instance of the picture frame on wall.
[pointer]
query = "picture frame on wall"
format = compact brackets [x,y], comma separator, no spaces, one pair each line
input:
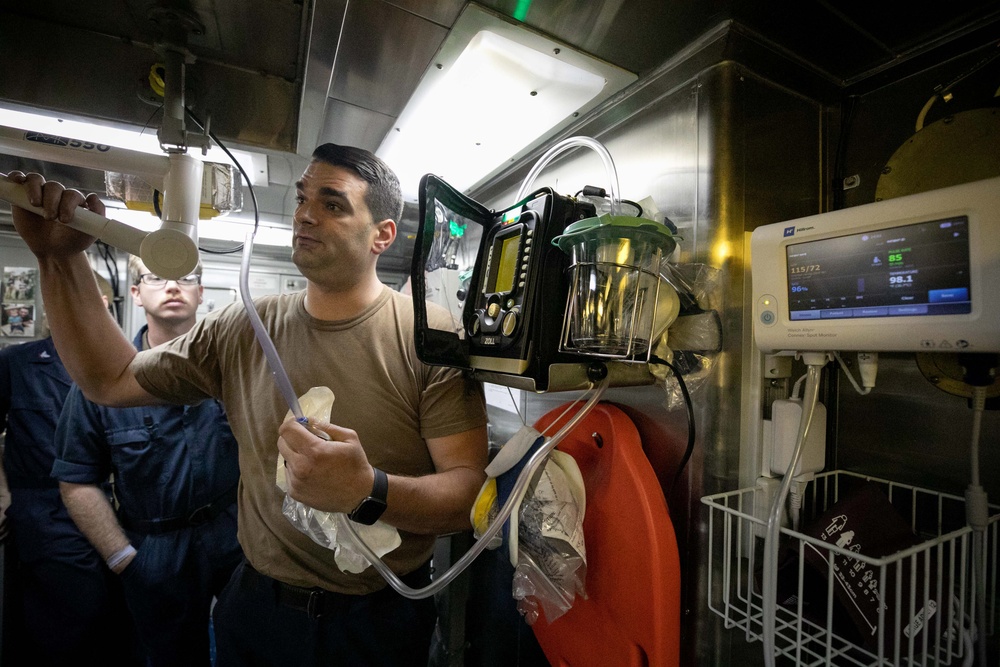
[19,284]
[17,312]
[18,320]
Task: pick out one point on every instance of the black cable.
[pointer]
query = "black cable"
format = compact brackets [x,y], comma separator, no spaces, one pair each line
[591,191]
[156,204]
[690,419]
[847,113]
[253,195]
[108,254]
[594,191]
[638,209]
[149,120]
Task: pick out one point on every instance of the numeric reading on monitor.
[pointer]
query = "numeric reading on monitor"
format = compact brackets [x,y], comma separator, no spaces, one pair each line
[918,269]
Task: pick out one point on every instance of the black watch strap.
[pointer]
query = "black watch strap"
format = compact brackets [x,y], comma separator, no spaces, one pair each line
[372,507]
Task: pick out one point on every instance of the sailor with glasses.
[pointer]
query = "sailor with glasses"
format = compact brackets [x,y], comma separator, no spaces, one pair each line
[173,538]
[154,280]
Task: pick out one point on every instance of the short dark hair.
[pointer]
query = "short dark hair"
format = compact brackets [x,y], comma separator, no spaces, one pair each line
[384,197]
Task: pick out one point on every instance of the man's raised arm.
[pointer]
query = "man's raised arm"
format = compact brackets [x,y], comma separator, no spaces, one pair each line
[91,345]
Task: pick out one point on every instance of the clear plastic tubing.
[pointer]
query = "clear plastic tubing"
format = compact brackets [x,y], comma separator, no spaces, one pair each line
[523,479]
[569,144]
[773,535]
[266,344]
[520,485]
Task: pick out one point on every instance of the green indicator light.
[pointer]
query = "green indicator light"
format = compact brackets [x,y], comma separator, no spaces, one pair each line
[521,11]
[457,230]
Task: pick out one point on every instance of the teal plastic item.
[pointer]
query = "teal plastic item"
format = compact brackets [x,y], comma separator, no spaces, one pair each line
[607,226]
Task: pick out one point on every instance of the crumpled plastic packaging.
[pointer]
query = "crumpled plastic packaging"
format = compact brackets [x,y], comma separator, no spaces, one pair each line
[695,335]
[696,369]
[328,529]
[551,565]
[546,543]
[698,285]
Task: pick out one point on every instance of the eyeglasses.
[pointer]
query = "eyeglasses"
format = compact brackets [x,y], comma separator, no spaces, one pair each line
[154,280]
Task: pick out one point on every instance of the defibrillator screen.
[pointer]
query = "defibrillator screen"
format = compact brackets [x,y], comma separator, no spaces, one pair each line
[505,265]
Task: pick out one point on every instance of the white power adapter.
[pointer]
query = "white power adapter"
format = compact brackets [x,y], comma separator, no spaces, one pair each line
[786,414]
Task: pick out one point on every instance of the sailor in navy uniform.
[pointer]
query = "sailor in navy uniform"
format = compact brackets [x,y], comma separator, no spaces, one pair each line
[64,603]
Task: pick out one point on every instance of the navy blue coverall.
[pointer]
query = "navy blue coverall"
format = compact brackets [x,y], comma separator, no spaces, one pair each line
[67,603]
[175,472]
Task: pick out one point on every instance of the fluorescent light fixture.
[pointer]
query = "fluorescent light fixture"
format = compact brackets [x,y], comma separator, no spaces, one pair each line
[494,91]
[236,231]
[116,210]
[142,140]
[225,228]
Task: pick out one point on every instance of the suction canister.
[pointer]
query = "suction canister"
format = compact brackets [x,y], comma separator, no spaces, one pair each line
[614,295]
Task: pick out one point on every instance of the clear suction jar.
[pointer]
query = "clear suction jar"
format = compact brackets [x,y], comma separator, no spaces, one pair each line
[614,284]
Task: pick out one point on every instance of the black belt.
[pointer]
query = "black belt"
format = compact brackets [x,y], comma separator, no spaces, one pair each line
[318,601]
[313,601]
[203,514]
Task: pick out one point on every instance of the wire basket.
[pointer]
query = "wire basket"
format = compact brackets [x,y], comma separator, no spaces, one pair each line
[812,624]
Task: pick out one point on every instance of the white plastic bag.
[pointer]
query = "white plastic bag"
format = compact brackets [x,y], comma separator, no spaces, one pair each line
[322,527]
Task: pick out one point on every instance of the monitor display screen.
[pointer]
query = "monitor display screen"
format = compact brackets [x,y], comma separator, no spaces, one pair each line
[504,264]
[916,269]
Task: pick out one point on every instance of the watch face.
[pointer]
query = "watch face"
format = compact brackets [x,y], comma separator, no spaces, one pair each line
[368,511]
[371,508]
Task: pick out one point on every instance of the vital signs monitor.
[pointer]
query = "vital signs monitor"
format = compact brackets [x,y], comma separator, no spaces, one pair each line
[915,273]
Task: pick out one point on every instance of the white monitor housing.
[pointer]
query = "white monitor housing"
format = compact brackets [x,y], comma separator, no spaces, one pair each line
[916,273]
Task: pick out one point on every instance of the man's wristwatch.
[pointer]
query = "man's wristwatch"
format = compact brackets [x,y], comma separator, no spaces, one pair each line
[371,508]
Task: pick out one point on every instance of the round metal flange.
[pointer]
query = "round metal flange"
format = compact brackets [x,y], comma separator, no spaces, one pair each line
[957,149]
[946,372]
[961,148]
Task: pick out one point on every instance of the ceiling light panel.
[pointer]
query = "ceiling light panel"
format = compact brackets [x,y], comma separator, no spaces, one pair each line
[494,91]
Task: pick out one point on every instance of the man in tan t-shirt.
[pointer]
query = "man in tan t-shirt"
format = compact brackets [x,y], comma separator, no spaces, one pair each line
[407,445]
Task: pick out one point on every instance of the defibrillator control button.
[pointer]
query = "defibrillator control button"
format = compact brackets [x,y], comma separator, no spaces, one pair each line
[493,310]
[509,323]
[510,303]
[474,327]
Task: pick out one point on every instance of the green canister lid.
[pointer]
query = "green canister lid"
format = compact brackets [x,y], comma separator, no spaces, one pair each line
[609,226]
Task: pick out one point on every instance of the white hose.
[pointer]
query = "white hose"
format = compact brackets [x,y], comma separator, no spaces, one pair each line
[847,372]
[569,144]
[523,479]
[977,513]
[772,539]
